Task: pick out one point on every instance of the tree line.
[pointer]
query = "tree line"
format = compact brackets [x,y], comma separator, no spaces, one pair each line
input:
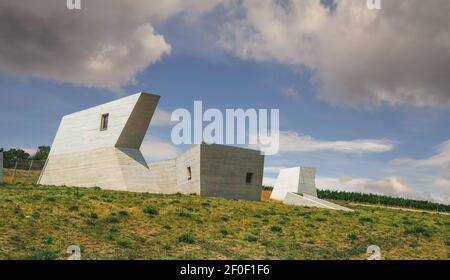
[382,199]
[14,154]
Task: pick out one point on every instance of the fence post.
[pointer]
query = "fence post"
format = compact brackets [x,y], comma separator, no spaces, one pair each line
[14,172]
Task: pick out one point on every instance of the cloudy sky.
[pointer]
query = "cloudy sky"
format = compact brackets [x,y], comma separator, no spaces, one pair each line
[364,95]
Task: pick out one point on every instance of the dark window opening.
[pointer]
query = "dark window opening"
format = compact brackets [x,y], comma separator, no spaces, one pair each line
[189,173]
[249,177]
[104,122]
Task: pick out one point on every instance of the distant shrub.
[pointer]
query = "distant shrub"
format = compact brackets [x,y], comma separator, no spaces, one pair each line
[93,216]
[366,220]
[184,214]
[352,236]
[73,208]
[123,243]
[42,255]
[124,213]
[167,227]
[111,220]
[251,238]
[47,240]
[150,210]
[224,232]
[225,218]
[276,229]
[186,238]
[419,230]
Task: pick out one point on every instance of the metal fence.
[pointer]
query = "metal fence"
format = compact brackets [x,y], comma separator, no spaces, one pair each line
[22,170]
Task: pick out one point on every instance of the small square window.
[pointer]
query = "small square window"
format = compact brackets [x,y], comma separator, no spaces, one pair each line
[189,173]
[248,178]
[104,122]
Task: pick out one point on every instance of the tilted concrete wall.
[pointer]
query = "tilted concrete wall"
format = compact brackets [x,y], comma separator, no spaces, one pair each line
[224,170]
[1,167]
[84,155]
[296,180]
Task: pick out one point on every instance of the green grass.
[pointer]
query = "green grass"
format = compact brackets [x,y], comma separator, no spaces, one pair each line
[41,222]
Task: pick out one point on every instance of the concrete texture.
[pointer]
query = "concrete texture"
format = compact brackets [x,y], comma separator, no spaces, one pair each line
[85,155]
[215,170]
[311,201]
[1,167]
[296,180]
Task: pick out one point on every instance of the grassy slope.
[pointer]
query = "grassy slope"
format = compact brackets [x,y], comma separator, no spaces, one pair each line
[41,222]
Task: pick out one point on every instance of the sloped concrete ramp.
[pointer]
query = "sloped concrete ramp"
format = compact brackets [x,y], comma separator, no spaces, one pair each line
[311,201]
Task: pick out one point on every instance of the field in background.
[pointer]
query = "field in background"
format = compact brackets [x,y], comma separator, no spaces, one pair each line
[41,222]
[20,176]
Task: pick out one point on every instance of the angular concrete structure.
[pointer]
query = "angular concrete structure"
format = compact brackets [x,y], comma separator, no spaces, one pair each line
[296,180]
[296,186]
[100,147]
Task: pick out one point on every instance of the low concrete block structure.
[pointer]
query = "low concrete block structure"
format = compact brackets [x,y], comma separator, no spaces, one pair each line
[212,170]
[100,147]
[296,186]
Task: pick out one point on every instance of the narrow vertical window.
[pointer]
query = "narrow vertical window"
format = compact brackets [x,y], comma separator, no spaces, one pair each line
[248,178]
[104,122]
[189,173]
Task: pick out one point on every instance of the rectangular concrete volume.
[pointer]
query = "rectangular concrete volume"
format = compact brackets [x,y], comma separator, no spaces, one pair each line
[100,147]
[212,170]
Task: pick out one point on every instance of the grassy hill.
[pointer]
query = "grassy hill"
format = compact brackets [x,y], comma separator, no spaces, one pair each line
[41,222]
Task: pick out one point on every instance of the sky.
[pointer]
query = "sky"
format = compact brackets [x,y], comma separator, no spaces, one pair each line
[364,95]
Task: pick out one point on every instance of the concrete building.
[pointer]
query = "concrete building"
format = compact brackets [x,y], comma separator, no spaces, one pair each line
[100,147]
[296,186]
[212,170]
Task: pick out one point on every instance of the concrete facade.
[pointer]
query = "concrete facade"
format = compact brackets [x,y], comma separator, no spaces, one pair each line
[211,170]
[296,186]
[86,154]
[1,167]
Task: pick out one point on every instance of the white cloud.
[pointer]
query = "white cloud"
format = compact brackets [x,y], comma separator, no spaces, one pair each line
[440,160]
[155,150]
[291,141]
[290,92]
[105,44]
[442,183]
[398,55]
[391,186]
[273,169]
